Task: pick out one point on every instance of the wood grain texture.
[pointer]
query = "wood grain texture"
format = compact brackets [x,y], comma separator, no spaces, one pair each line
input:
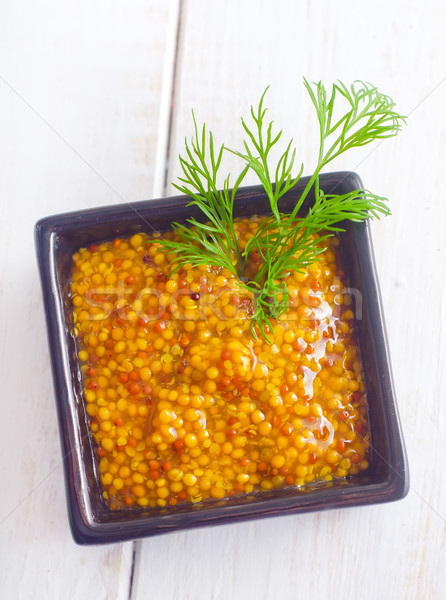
[392,551]
[85,96]
[80,111]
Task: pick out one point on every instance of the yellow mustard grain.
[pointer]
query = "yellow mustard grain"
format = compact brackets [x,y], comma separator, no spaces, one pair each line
[185,405]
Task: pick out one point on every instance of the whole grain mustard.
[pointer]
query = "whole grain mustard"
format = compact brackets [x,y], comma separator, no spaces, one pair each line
[186,404]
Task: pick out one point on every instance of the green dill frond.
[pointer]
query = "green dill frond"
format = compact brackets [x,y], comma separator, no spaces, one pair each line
[286,242]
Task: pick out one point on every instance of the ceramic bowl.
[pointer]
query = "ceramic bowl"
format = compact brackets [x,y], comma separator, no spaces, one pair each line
[58,237]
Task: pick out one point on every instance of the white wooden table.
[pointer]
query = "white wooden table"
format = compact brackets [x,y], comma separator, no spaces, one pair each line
[95,102]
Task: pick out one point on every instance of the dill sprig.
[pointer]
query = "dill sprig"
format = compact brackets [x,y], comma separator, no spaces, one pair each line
[213,242]
[285,242]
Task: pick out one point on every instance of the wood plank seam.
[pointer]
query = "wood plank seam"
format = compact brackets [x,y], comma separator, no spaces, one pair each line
[167,100]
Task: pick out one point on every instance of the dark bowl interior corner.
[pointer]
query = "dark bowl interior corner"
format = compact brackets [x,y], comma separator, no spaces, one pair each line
[59,236]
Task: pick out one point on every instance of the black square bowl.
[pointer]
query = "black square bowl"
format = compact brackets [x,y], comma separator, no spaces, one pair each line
[59,236]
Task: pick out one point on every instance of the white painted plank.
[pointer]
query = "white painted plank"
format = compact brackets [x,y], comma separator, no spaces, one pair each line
[80,123]
[229,51]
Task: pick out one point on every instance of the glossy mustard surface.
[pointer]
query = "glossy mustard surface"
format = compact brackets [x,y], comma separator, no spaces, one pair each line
[185,403]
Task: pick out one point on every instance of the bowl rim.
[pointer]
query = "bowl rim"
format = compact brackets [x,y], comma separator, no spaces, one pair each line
[90,528]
